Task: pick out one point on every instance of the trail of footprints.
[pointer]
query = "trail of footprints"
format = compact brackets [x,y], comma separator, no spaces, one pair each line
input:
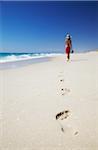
[63,114]
[63,90]
[66,113]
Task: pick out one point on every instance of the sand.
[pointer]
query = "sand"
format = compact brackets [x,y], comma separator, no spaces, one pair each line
[33,99]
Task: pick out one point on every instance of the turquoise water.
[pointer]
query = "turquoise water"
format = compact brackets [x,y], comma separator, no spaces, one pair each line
[14,60]
[12,57]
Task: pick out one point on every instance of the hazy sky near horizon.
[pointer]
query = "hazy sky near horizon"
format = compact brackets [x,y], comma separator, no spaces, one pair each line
[36,26]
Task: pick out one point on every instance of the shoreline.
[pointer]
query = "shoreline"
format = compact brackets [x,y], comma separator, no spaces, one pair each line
[22,63]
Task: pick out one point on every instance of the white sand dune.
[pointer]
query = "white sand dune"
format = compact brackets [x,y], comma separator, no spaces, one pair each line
[32,96]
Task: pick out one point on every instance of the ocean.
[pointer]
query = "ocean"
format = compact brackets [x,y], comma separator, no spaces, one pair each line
[14,60]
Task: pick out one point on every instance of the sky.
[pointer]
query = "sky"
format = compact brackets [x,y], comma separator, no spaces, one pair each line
[41,26]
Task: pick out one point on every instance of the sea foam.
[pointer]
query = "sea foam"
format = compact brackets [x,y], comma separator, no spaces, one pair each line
[14,57]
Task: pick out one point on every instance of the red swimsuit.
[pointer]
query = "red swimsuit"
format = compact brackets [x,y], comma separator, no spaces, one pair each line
[67,49]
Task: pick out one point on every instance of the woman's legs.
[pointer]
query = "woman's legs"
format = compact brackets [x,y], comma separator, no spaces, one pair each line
[68,56]
[68,53]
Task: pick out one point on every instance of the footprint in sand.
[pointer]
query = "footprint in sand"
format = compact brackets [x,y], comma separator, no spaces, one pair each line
[65,91]
[61,80]
[62,129]
[76,133]
[62,115]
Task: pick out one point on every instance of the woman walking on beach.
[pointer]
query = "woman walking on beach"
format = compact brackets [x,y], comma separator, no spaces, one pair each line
[68,46]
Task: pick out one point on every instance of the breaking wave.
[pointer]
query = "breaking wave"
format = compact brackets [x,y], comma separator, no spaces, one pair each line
[13,57]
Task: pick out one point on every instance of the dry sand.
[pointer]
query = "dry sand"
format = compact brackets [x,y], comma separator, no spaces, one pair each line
[32,96]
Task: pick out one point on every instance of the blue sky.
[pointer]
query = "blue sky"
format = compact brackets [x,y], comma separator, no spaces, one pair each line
[30,26]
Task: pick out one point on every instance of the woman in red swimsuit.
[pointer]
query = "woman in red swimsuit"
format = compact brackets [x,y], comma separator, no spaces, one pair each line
[68,46]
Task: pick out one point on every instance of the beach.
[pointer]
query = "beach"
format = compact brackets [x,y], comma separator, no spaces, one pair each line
[50,105]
